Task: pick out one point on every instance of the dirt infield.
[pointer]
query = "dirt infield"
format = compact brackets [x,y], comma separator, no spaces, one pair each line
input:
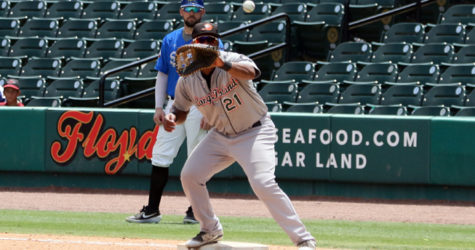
[176,204]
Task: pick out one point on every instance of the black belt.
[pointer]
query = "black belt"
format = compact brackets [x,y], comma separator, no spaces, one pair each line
[256,124]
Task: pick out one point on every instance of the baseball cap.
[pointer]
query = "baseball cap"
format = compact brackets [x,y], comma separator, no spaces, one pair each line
[205,28]
[196,3]
[11,83]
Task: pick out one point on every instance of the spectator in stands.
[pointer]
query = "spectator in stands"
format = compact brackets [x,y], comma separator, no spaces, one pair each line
[168,144]
[11,90]
[2,97]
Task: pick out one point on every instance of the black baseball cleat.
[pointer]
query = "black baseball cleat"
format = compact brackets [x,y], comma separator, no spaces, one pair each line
[145,216]
[190,217]
[203,238]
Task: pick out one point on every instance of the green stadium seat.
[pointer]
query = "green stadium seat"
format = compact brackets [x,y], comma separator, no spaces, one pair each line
[29,47]
[104,48]
[169,11]
[363,93]
[73,27]
[130,85]
[297,11]
[148,70]
[274,106]
[124,29]
[295,70]
[65,9]
[41,101]
[344,108]
[218,11]
[81,67]
[303,107]
[465,111]
[396,109]
[10,66]
[319,91]
[266,63]
[420,73]
[444,94]
[64,87]
[433,53]
[28,8]
[154,29]
[331,13]
[404,32]
[338,71]
[430,111]
[139,10]
[41,66]
[404,94]
[141,48]
[445,32]
[262,10]
[460,13]
[393,52]
[459,73]
[81,102]
[273,32]
[101,10]
[368,32]
[117,62]
[66,48]
[5,44]
[470,98]
[4,8]
[30,86]
[39,27]
[320,31]
[10,26]
[279,91]
[111,88]
[225,26]
[466,54]
[379,72]
[470,38]
[351,51]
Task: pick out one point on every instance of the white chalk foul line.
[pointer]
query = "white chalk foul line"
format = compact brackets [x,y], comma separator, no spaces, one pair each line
[91,242]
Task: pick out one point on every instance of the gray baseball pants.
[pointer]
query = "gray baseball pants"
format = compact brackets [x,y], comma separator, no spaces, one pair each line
[254,150]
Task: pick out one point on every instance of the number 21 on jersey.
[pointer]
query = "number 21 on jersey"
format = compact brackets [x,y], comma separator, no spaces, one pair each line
[230,103]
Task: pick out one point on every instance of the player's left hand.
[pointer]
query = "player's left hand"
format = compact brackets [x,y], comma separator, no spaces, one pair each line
[204,124]
[169,122]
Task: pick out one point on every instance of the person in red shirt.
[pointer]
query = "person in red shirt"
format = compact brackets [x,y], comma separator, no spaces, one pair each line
[11,90]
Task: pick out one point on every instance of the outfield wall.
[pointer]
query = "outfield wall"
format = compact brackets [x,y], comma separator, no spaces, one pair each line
[317,154]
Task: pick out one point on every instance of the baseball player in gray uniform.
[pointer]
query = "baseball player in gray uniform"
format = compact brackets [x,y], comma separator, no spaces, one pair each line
[242,131]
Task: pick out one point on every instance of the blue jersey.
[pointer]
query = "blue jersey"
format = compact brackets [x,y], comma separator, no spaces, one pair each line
[166,62]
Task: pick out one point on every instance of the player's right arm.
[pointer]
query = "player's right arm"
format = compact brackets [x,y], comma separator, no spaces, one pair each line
[160,95]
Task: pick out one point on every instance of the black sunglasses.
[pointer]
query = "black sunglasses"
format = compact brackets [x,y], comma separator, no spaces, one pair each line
[206,39]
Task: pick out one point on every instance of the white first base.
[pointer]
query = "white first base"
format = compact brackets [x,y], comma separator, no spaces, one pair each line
[228,245]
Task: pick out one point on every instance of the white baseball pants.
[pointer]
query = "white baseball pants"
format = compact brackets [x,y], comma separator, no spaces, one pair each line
[168,143]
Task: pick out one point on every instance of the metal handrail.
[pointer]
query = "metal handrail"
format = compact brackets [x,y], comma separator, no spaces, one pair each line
[150,91]
[396,11]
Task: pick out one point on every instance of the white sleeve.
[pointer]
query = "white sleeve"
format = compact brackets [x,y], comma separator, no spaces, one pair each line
[160,89]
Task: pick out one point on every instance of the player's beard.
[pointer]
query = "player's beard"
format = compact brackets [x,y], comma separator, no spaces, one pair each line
[191,22]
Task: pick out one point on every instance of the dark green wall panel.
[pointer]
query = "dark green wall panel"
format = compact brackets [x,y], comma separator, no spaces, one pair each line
[22,133]
[453,151]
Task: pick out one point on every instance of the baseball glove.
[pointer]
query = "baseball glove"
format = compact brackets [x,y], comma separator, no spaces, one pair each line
[193,57]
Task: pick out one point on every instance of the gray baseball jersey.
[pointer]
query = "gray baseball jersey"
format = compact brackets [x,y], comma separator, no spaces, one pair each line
[241,105]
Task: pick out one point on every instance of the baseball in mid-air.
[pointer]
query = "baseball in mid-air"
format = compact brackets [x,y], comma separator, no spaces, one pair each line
[248,6]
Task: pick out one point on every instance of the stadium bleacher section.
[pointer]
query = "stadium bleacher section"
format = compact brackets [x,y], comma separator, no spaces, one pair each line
[58,49]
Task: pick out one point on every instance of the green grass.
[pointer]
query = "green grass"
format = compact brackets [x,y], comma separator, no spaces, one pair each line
[329,233]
